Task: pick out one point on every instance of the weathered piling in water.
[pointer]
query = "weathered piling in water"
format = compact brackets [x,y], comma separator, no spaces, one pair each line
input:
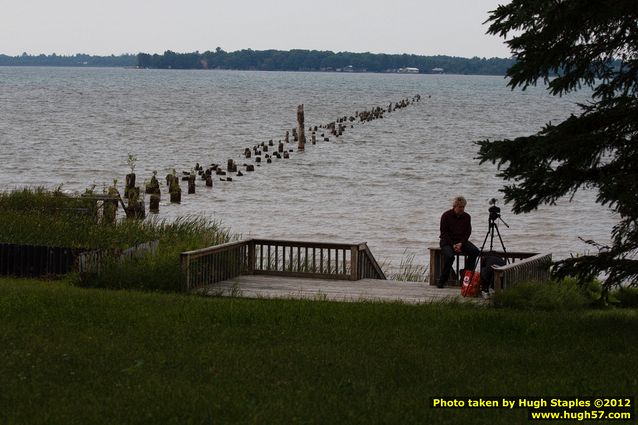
[191,184]
[136,207]
[154,203]
[153,186]
[109,213]
[130,184]
[300,128]
[153,189]
[174,190]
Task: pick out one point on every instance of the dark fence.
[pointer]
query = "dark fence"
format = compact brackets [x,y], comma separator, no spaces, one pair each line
[36,261]
[39,261]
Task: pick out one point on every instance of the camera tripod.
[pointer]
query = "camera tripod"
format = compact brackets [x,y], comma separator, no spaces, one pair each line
[493,226]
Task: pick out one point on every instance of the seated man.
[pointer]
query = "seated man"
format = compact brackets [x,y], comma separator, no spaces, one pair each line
[456,228]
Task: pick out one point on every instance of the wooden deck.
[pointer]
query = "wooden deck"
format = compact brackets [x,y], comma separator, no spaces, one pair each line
[369,290]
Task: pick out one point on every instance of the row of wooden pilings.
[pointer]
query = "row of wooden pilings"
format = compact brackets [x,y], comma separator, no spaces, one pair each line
[261,153]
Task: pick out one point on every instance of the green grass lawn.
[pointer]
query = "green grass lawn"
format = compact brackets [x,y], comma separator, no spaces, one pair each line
[85,356]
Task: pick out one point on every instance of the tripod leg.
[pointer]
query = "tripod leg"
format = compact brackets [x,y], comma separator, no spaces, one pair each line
[502,244]
[490,230]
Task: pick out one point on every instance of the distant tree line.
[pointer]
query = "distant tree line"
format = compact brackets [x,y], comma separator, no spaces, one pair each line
[79,59]
[273,60]
[314,60]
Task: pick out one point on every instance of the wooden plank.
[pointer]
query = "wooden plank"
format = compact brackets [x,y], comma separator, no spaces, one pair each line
[308,275]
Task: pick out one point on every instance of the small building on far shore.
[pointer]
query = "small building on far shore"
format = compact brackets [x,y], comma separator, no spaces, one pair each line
[408,70]
[438,70]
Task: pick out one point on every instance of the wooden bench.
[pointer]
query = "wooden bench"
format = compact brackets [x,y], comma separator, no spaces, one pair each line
[436,263]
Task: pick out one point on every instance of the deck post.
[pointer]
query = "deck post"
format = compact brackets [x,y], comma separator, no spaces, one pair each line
[354,262]
[498,280]
[251,256]
[184,260]
[435,265]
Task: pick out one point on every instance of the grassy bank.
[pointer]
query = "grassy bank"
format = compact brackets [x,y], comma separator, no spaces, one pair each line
[35,216]
[77,356]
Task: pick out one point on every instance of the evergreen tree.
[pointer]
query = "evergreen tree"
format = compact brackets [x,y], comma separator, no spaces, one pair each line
[567,45]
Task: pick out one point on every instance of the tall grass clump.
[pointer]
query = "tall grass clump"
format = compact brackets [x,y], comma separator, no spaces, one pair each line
[160,270]
[41,200]
[551,295]
[408,271]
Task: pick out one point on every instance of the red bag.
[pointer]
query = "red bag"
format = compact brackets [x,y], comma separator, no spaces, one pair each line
[471,286]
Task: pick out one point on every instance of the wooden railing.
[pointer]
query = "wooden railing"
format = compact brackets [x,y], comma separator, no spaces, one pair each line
[279,258]
[367,265]
[535,268]
[94,261]
[214,264]
[436,263]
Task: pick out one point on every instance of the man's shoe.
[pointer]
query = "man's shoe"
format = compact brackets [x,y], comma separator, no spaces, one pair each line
[440,285]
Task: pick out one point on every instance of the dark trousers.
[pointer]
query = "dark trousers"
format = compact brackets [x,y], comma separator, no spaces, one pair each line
[448,253]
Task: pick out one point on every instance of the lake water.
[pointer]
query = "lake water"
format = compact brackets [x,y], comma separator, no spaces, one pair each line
[385,182]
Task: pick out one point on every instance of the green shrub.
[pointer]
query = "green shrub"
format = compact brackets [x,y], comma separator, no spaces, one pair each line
[627,297]
[550,295]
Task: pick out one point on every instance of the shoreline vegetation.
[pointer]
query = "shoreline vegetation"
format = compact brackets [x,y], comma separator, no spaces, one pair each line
[39,217]
[276,60]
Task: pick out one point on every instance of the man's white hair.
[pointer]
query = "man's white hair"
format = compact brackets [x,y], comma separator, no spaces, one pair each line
[460,201]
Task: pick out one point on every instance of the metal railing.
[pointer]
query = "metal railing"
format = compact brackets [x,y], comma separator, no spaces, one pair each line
[278,258]
[535,268]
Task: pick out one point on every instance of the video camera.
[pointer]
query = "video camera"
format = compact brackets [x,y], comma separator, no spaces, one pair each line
[495,212]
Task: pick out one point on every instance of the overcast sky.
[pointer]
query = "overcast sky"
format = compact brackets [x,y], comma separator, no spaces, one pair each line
[104,27]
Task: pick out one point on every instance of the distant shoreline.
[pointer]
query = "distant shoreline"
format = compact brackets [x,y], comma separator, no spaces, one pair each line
[275,60]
